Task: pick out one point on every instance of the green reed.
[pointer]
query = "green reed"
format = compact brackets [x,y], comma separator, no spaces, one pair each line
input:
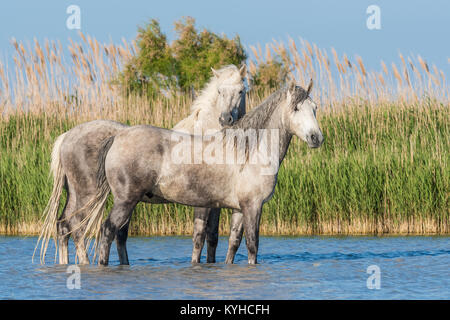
[382,169]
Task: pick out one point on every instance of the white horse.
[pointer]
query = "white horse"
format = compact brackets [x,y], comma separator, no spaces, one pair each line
[152,170]
[75,156]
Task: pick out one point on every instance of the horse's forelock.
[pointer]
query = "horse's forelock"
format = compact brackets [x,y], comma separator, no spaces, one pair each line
[228,75]
[298,96]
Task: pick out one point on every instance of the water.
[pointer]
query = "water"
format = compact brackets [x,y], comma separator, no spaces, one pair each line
[290,268]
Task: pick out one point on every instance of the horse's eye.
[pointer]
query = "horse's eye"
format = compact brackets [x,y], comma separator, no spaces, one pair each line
[240,92]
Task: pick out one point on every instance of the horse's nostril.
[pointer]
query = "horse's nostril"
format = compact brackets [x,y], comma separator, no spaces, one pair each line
[226,119]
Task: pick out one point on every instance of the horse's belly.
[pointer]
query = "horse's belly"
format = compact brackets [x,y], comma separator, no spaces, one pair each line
[148,198]
[198,195]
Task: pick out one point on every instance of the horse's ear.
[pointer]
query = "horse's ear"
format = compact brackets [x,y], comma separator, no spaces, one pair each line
[310,86]
[291,86]
[290,91]
[215,73]
[243,70]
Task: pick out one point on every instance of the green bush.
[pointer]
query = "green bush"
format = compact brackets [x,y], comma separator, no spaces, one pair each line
[182,65]
[269,74]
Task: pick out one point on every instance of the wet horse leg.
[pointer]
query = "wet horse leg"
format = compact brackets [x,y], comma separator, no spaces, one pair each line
[80,245]
[198,238]
[78,232]
[63,242]
[121,243]
[237,230]
[118,217]
[251,218]
[212,234]
[63,225]
[63,229]
[68,224]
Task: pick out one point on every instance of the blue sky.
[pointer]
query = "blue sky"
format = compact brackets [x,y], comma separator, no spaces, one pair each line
[411,27]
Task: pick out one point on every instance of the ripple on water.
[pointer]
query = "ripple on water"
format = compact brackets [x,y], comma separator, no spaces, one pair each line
[290,268]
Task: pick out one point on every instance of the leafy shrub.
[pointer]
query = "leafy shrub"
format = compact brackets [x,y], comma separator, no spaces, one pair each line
[182,65]
[269,74]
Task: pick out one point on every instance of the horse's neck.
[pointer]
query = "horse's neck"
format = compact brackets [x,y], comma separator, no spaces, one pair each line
[285,140]
[208,119]
[205,106]
[284,137]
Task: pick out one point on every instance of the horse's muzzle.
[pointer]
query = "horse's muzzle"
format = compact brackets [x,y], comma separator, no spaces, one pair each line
[226,119]
[314,139]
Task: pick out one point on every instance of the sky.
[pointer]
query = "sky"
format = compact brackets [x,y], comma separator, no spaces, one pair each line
[411,27]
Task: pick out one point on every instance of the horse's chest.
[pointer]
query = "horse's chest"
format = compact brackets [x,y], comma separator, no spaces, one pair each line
[259,187]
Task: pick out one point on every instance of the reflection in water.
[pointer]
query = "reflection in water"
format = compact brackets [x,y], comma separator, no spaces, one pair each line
[290,268]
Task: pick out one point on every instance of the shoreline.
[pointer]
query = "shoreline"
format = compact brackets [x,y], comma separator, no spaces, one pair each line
[427,227]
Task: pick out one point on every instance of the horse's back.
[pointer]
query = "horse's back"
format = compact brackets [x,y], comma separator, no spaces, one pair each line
[80,150]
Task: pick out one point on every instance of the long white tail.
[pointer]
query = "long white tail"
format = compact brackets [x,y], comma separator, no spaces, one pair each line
[49,228]
[95,207]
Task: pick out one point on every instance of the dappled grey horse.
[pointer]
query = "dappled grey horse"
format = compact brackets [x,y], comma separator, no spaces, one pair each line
[75,162]
[164,166]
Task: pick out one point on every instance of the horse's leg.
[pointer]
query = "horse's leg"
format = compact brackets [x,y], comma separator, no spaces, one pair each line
[63,227]
[237,229]
[78,232]
[198,238]
[212,234]
[63,243]
[121,243]
[251,218]
[66,227]
[78,238]
[118,217]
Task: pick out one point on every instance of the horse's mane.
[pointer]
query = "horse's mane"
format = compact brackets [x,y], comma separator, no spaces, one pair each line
[258,116]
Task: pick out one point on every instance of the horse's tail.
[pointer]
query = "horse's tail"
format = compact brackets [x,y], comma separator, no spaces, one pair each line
[49,228]
[95,207]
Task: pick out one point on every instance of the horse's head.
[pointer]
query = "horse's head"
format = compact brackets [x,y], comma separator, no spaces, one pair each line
[230,94]
[300,115]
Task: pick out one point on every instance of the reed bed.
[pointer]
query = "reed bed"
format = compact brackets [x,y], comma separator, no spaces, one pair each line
[383,167]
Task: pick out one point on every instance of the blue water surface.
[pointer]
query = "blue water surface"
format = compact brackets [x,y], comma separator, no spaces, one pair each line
[289,268]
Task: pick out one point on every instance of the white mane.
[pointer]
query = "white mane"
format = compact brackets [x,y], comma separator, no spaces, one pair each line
[203,111]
